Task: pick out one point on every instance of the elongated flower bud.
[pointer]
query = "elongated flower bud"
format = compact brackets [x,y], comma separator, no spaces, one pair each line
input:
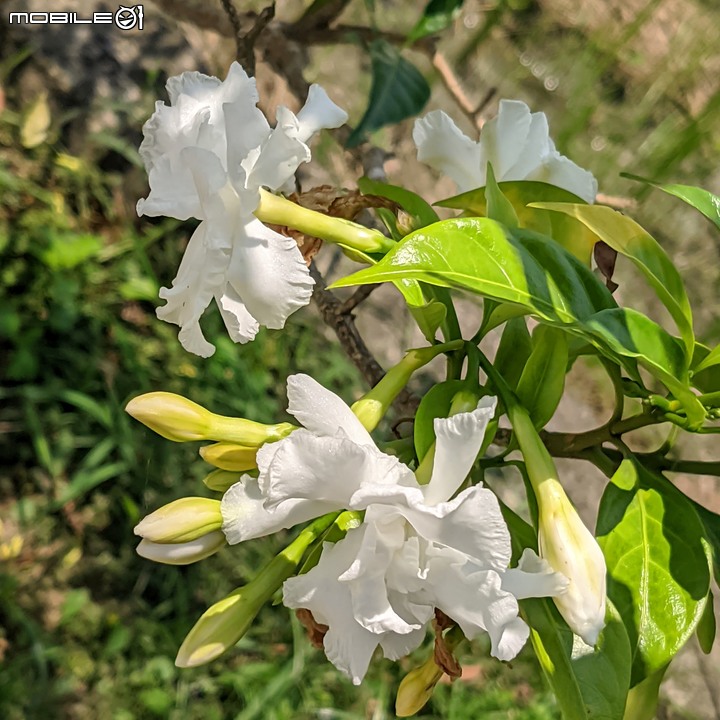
[416,688]
[571,549]
[228,456]
[224,623]
[179,419]
[221,480]
[183,553]
[181,521]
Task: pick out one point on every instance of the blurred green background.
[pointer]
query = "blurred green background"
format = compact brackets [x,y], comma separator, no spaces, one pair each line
[89,630]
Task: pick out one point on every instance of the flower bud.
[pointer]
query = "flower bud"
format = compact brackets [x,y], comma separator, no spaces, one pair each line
[179,419]
[231,457]
[174,417]
[570,548]
[221,480]
[416,688]
[224,623]
[181,521]
[183,553]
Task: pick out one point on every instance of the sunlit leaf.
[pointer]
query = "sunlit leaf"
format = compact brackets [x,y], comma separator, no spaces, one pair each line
[630,239]
[658,571]
[413,204]
[36,124]
[513,351]
[398,91]
[703,200]
[435,403]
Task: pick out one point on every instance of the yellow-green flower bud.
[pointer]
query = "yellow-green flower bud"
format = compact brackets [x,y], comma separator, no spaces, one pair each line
[223,624]
[221,480]
[228,456]
[179,419]
[174,417]
[416,688]
[181,521]
[183,553]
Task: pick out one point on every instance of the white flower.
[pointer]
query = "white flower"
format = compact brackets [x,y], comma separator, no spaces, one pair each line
[516,142]
[207,155]
[417,548]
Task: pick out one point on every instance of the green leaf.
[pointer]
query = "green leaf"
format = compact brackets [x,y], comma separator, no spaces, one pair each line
[711,523]
[429,317]
[480,255]
[658,573]
[569,232]
[420,210]
[626,336]
[702,200]
[68,251]
[498,206]
[630,239]
[435,404]
[707,627]
[543,378]
[513,351]
[438,15]
[398,91]
[706,368]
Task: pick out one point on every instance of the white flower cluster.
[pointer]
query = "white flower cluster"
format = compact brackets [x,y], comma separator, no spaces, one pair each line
[417,549]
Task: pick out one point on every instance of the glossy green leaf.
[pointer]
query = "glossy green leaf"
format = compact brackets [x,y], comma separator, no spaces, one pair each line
[704,358]
[711,523]
[703,200]
[630,336]
[707,627]
[435,404]
[420,210]
[513,351]
[483,257]
[498,206]
[543,378]
[573,235]
[438,15]
[630,239]
[429,317]
[398,91]
[658,573]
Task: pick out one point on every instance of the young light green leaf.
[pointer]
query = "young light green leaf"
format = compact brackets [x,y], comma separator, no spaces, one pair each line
[630,239]
[569,232]
[413,204]
[438,15]
[513,351]
[642,701]
[498,206]
[703,200]
[398,91]
[429,317]
[712,357]
[658,571]
[543,378]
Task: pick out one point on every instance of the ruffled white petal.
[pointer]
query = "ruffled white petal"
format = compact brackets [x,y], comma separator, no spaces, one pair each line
[318,113]
[348,645]
[442,146]
[322,411]
[537,147]
[564,173]
[267,271]
[458,441]
[241,325]
[533,577]
[503,139]
[245,516]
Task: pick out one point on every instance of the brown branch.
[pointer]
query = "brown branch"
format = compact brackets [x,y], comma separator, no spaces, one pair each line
[245,41]
[359,296]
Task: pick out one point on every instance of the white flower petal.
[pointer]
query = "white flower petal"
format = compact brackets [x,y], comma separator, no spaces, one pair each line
[245,516]
[268,272]
[474,598]
[458,441]
[322,411]
[313,467]
[247,129]
[200,275]
[533,577]
[396,646]
[564,173]
[318,113]
[348,645]
[241,325]
[537,147]
[442,146]
[503,139]
[182,553]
